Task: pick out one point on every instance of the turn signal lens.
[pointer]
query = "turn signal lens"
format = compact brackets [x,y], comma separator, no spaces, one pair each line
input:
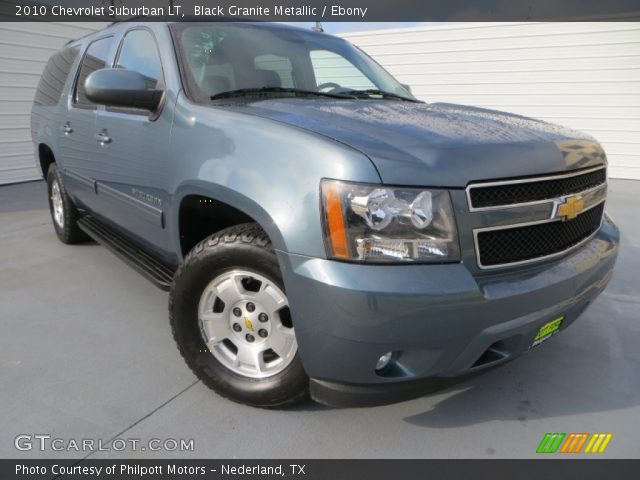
[335,222]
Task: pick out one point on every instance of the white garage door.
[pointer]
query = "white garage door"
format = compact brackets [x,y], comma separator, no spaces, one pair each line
[24,51]
[582,75]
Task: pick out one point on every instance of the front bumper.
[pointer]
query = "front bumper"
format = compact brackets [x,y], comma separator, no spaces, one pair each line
[440,320]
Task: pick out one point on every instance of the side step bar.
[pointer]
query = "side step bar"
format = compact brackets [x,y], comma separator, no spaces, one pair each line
[158,273]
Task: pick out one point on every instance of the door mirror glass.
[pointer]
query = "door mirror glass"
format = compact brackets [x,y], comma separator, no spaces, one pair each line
[118,87]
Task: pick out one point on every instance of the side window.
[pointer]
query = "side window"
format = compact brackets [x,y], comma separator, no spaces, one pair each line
[275,65]
[55,76]
[94,59]
[331,67]
[139,53]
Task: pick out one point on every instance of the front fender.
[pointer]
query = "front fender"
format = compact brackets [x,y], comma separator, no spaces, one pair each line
[268,170]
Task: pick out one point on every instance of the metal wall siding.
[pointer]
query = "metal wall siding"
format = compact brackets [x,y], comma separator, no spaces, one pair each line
[24,51]
[585,75]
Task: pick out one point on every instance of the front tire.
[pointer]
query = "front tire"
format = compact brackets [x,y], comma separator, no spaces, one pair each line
[230,319]
[64,213]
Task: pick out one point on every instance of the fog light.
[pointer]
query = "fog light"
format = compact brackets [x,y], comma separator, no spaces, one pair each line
[384,360]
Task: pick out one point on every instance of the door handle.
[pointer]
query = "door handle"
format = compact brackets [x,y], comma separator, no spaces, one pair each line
[66,128]
[103,138]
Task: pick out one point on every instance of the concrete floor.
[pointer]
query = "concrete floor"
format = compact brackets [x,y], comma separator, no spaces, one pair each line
[86,352]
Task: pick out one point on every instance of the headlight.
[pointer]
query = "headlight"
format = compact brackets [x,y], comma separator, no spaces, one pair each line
[375,223]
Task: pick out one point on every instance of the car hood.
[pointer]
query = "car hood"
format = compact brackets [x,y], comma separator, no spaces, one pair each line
[437,144]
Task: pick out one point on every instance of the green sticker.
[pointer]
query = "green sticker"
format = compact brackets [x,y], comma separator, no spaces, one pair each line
[547,330]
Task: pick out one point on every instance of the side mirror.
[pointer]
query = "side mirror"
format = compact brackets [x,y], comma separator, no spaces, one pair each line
[119,87]
[406,87]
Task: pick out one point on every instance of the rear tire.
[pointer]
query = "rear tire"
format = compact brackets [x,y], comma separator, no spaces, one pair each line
[64,213]
[229,317]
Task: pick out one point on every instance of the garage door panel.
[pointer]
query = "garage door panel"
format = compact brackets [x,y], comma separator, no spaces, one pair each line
[14,51]
[503,52]
[609,76]
[17,148]
[497,100]
[29,66]
[524,89]
[14,121]
[624,171]
[33,39]
[501,31]
[556,112]
[615,137]
[537,43]
[17,94]
[60,30]
[24,51]
[15,107]
[622,149]
[17,160]
[549,65]
[19,80]
[627,127]
[8,135]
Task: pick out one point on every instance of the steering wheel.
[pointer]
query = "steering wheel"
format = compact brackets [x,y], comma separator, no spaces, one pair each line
[331,85]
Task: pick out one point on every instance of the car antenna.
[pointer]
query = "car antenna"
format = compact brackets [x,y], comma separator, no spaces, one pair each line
[318,27]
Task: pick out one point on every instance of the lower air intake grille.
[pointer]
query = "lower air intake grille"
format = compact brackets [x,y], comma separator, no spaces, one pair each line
[518,244]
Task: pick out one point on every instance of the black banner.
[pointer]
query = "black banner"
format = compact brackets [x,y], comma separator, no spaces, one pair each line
[321,10]
[320,469]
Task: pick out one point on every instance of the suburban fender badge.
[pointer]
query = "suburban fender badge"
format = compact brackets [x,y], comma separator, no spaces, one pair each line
[146,197]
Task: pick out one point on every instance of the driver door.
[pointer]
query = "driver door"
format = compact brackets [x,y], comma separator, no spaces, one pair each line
[133,149]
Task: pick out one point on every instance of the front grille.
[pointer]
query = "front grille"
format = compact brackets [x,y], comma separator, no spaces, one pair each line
[518,244]
[524,191]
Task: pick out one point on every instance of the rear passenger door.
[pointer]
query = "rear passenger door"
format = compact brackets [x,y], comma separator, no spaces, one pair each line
[78,149]
[132,162]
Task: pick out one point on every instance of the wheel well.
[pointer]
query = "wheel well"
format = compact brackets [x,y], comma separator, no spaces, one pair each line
[45,155]
[201,216]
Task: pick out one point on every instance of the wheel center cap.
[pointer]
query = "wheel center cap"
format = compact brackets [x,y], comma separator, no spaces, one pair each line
[249,324]
[252,324]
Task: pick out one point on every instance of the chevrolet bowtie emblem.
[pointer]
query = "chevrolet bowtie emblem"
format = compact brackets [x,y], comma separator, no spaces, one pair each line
[248,323]
[570,208]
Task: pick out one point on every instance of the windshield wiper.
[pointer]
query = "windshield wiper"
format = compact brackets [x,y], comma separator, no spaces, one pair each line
[375,92]
[241,92]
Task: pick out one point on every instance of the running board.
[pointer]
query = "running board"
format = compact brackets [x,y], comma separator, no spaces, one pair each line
[158,273]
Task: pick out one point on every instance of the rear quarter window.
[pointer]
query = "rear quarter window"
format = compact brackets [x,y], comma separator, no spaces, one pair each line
[54,77]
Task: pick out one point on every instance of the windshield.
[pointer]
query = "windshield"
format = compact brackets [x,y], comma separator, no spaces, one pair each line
[223,58]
